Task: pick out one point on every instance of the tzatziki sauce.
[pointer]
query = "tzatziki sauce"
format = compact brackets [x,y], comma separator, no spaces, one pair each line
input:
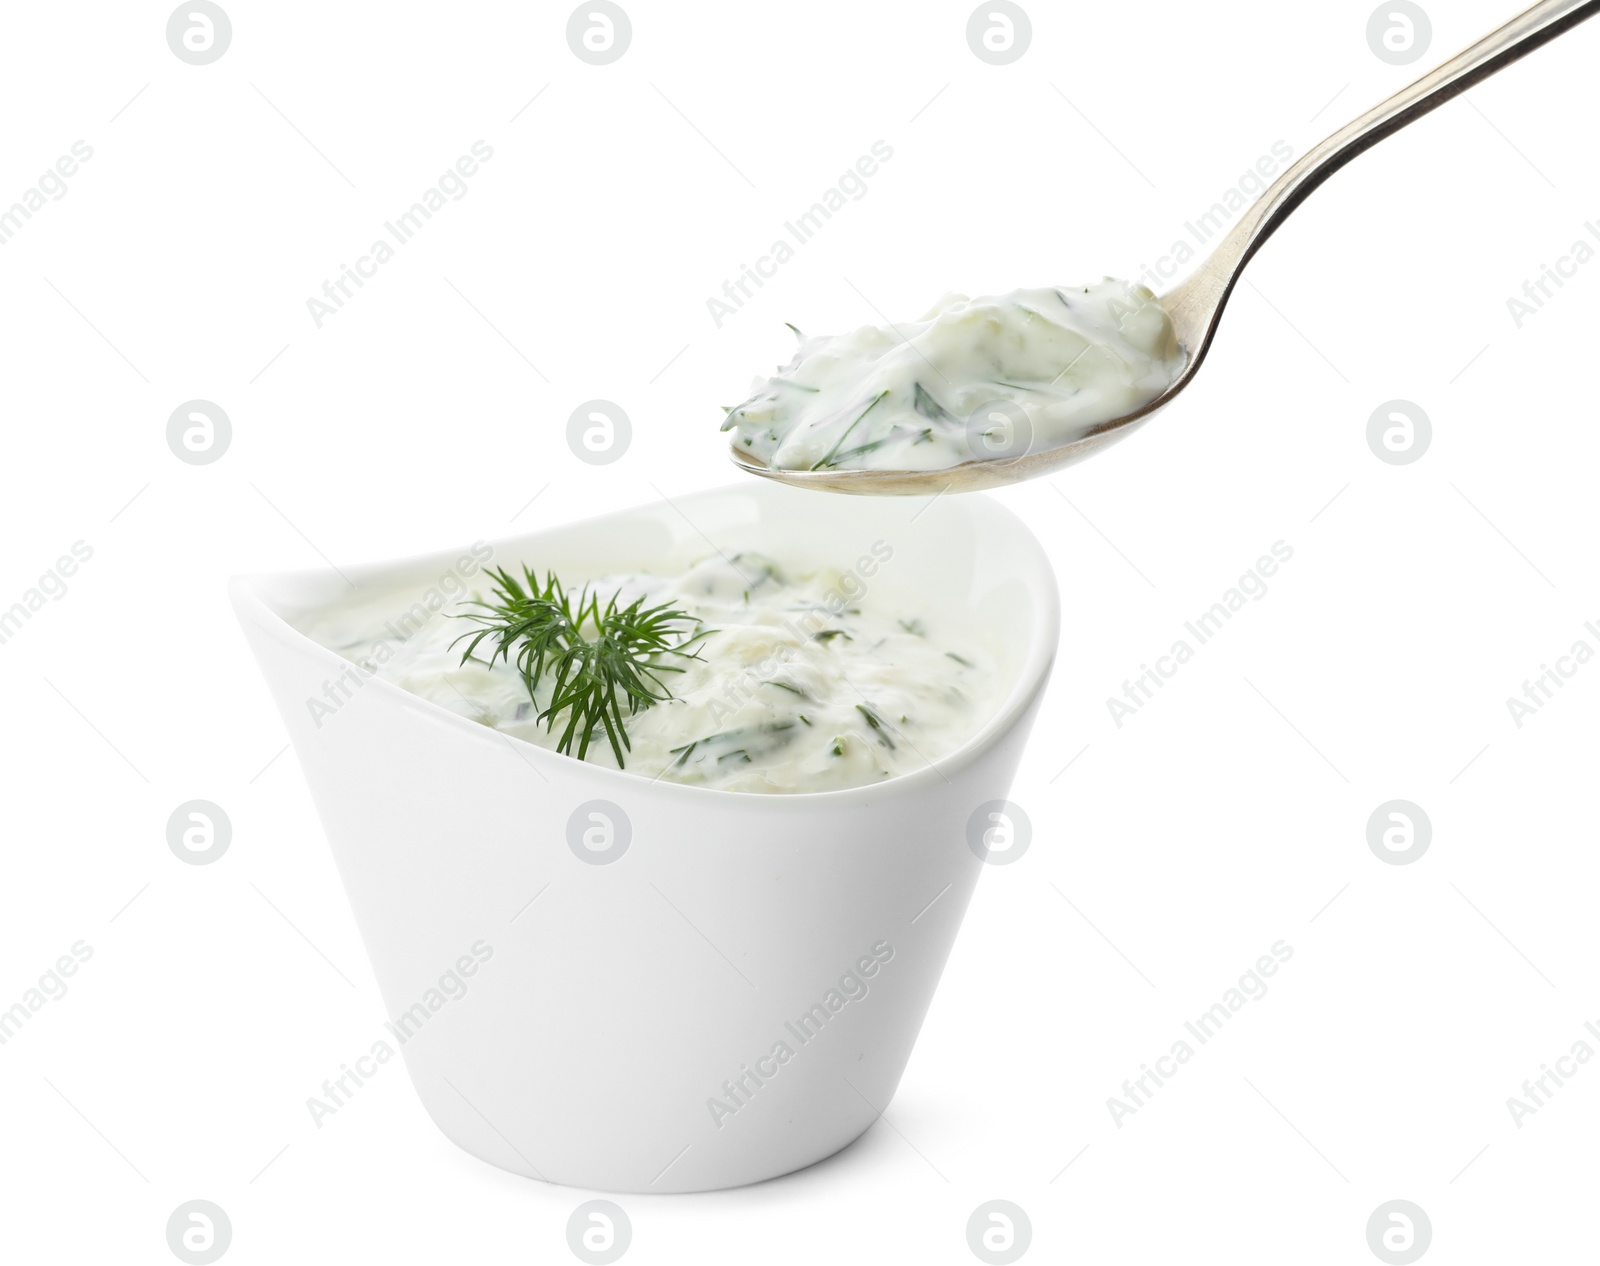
[803,681]
[979,379]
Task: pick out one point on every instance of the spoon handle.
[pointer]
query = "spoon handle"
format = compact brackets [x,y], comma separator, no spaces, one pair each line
[1196,303]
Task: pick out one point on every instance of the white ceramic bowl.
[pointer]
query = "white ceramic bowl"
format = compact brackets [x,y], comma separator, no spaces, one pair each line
[586,1038]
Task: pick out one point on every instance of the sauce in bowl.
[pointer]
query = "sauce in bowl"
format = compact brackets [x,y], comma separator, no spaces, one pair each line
[802,682]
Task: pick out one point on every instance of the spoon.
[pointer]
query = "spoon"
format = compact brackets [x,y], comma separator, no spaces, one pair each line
[1196,303]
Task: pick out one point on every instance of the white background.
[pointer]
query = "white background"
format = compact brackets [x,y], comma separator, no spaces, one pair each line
[1225,816]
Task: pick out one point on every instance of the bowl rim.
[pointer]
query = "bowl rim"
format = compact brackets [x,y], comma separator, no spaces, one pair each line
[250,605]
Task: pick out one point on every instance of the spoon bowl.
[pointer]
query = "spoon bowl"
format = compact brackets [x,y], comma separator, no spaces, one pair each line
[1195,304]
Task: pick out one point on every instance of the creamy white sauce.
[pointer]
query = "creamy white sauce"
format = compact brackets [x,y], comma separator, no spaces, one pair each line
[805,684]
[975,379]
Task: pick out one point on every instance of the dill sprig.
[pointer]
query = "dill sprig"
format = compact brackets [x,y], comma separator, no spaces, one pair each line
[601,659]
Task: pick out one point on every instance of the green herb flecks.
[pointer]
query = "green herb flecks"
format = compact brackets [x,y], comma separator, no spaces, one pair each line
[601,659]
[762,740]
[880,729]
[733,412]
[794,690]
[860,450]
[828,460]
[924,403]
[767,570]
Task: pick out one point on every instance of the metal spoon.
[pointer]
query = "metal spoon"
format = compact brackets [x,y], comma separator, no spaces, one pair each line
[1196,303]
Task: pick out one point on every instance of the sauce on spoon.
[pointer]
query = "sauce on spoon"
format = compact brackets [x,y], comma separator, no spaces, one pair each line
[989,378]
